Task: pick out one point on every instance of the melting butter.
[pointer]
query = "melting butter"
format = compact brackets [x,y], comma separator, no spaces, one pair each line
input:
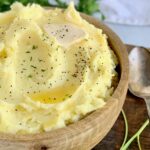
[53,96]
[66,34]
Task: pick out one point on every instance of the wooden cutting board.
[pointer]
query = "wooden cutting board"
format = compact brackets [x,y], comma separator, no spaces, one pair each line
[136,113]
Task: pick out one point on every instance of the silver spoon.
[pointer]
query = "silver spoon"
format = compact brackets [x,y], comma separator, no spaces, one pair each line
[139,79]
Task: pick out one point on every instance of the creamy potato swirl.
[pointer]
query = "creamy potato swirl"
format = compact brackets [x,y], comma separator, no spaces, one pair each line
[55,68]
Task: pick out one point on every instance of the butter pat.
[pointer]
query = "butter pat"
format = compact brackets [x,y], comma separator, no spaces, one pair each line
[66,34]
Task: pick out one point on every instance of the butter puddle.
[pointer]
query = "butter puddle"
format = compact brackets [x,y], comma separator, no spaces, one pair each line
[3,53]
[54,96]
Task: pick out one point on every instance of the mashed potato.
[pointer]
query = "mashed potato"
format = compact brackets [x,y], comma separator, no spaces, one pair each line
[55,68]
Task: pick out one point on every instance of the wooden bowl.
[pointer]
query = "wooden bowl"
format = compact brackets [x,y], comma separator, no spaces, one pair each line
[86,133]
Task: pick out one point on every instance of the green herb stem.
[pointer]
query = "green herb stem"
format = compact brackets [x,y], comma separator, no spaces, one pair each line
[126,128]
[135,135]
[138,141]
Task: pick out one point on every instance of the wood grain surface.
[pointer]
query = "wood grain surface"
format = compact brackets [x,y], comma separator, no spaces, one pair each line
[136,113]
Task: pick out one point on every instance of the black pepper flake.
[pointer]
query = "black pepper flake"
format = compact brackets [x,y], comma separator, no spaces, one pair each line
[70,96]
[27,51]
[31,58]
[40,60]
[30,76]
[43,70]
[33,66]
[74,75]
[34,47]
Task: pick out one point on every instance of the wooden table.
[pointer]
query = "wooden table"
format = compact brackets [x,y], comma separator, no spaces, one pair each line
[136,113]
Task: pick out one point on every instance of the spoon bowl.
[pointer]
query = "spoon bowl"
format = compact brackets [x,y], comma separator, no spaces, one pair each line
[139,78]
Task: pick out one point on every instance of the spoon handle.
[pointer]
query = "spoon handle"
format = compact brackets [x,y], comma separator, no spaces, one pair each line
[147,100]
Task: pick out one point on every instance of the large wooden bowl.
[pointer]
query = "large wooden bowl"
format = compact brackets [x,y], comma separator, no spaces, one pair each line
[86,133]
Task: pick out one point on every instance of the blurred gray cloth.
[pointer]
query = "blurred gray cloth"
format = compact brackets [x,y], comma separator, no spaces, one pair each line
[131,12]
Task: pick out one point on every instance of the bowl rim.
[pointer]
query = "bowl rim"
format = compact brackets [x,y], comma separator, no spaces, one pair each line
[124,77]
